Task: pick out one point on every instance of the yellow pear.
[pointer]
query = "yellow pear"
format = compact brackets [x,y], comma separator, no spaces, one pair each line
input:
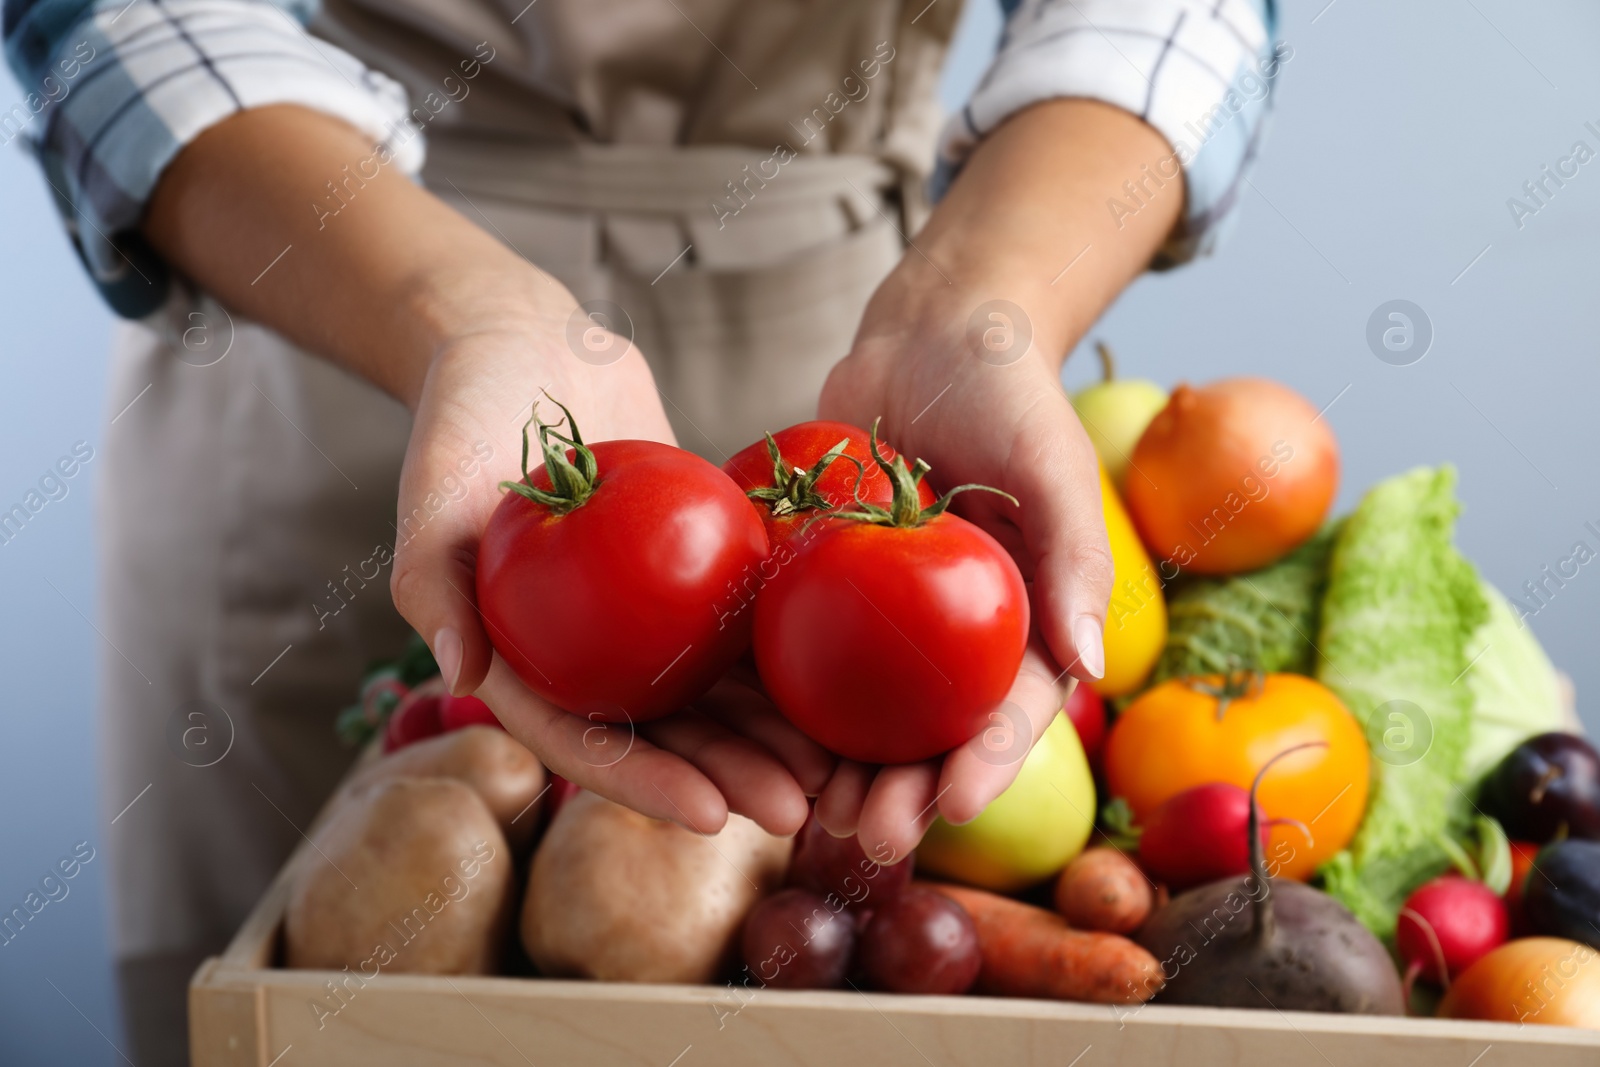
[1136,617]
[1115,412]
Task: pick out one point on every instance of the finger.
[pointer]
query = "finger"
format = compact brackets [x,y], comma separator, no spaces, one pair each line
[839,804]
[979,771]
[753,782]
[748,712]
[607,758]
[1054,473]
[900,807]
[433,583]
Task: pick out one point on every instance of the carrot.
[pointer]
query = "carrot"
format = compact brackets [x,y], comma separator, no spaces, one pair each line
[1031,952]
[1104,890]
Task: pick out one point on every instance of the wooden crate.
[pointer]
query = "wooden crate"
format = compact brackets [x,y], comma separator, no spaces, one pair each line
[244,1011]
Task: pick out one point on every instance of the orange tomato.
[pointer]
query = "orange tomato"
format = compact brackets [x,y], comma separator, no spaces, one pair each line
[1175,737]
[1530,980]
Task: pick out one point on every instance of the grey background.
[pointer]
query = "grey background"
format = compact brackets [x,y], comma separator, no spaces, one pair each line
[1400,132]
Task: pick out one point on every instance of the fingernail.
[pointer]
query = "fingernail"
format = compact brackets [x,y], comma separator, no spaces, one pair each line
[447,651]
[1086,634]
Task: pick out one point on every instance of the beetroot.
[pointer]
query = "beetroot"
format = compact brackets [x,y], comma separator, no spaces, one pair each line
[1446,925]
[1260,942]
[839,867]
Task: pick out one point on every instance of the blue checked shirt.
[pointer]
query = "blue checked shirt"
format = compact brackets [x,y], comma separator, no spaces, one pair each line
[114,89]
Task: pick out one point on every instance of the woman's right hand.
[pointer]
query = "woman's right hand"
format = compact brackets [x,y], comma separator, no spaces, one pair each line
[414,296]
[732,751]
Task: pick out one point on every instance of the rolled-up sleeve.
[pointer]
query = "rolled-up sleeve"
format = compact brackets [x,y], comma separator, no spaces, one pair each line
[1201,72]
[114,89]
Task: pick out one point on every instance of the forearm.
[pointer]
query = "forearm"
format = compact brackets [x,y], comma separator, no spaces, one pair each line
[1031,201]
[246,212]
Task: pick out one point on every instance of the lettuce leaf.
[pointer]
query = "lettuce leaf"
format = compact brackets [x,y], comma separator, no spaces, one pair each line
[1400,613]
[1516,692]
[1264,620]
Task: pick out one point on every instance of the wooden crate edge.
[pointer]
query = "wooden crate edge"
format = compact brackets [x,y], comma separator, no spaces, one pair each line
[225,1016]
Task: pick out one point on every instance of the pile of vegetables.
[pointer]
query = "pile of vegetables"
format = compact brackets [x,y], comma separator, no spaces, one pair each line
[1327,767]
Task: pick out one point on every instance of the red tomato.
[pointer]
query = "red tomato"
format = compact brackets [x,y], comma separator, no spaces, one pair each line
[788,482]
[458,712]
[416,717]
[1087,710]
[1523,854]
[612,596]
[892,640]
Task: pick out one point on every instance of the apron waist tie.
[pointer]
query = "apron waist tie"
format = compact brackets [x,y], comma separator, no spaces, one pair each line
[639,179]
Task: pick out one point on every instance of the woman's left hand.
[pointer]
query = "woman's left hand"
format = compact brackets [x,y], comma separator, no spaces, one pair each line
[960,352]
[993,414]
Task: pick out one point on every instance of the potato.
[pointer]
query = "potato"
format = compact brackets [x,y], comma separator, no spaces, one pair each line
[414,876]
[620,897]
[496,765]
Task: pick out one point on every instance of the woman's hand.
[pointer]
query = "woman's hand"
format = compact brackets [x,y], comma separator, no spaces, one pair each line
[960,352]
[999,419]
[731,751]
[407,293]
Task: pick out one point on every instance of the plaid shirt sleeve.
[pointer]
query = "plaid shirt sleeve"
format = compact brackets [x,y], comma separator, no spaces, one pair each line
[113,89]
[1199,71]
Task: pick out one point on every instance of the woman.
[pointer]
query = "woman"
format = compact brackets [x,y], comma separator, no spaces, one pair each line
[727,188]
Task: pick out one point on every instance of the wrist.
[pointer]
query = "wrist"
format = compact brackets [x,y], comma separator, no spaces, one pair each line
[449,303]
[994,312]
[1026,222]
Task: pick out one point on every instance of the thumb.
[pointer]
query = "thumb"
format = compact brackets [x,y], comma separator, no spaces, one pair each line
[448,489]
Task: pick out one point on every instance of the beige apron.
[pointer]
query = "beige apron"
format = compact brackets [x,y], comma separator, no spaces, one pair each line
[235,495]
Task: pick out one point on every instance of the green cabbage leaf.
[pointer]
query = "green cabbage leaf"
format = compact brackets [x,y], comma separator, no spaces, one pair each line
[1399,619]
[1264,620]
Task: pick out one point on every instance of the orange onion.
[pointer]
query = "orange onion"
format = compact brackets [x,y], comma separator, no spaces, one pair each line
[1231,476]
[1545,980]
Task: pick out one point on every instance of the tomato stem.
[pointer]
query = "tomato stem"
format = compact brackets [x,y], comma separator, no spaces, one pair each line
[1243,683]
[571,481]
[794,490]
[905,509]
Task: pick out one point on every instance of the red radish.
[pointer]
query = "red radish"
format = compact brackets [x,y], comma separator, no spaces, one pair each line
[415,718]
[1522,856]
[1202,834]
[456,712]
[1087,710]
[1199,836]
[1445,927]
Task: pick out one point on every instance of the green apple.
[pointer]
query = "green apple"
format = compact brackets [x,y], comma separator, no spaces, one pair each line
[1115,412]
[1031,830]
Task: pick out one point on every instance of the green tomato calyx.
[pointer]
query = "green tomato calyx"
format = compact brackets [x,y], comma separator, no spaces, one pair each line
[905,508]
[571,481]
[794,490]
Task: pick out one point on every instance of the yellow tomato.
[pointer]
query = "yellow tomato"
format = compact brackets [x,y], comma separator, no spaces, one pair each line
[1176,736]
[1136,618]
